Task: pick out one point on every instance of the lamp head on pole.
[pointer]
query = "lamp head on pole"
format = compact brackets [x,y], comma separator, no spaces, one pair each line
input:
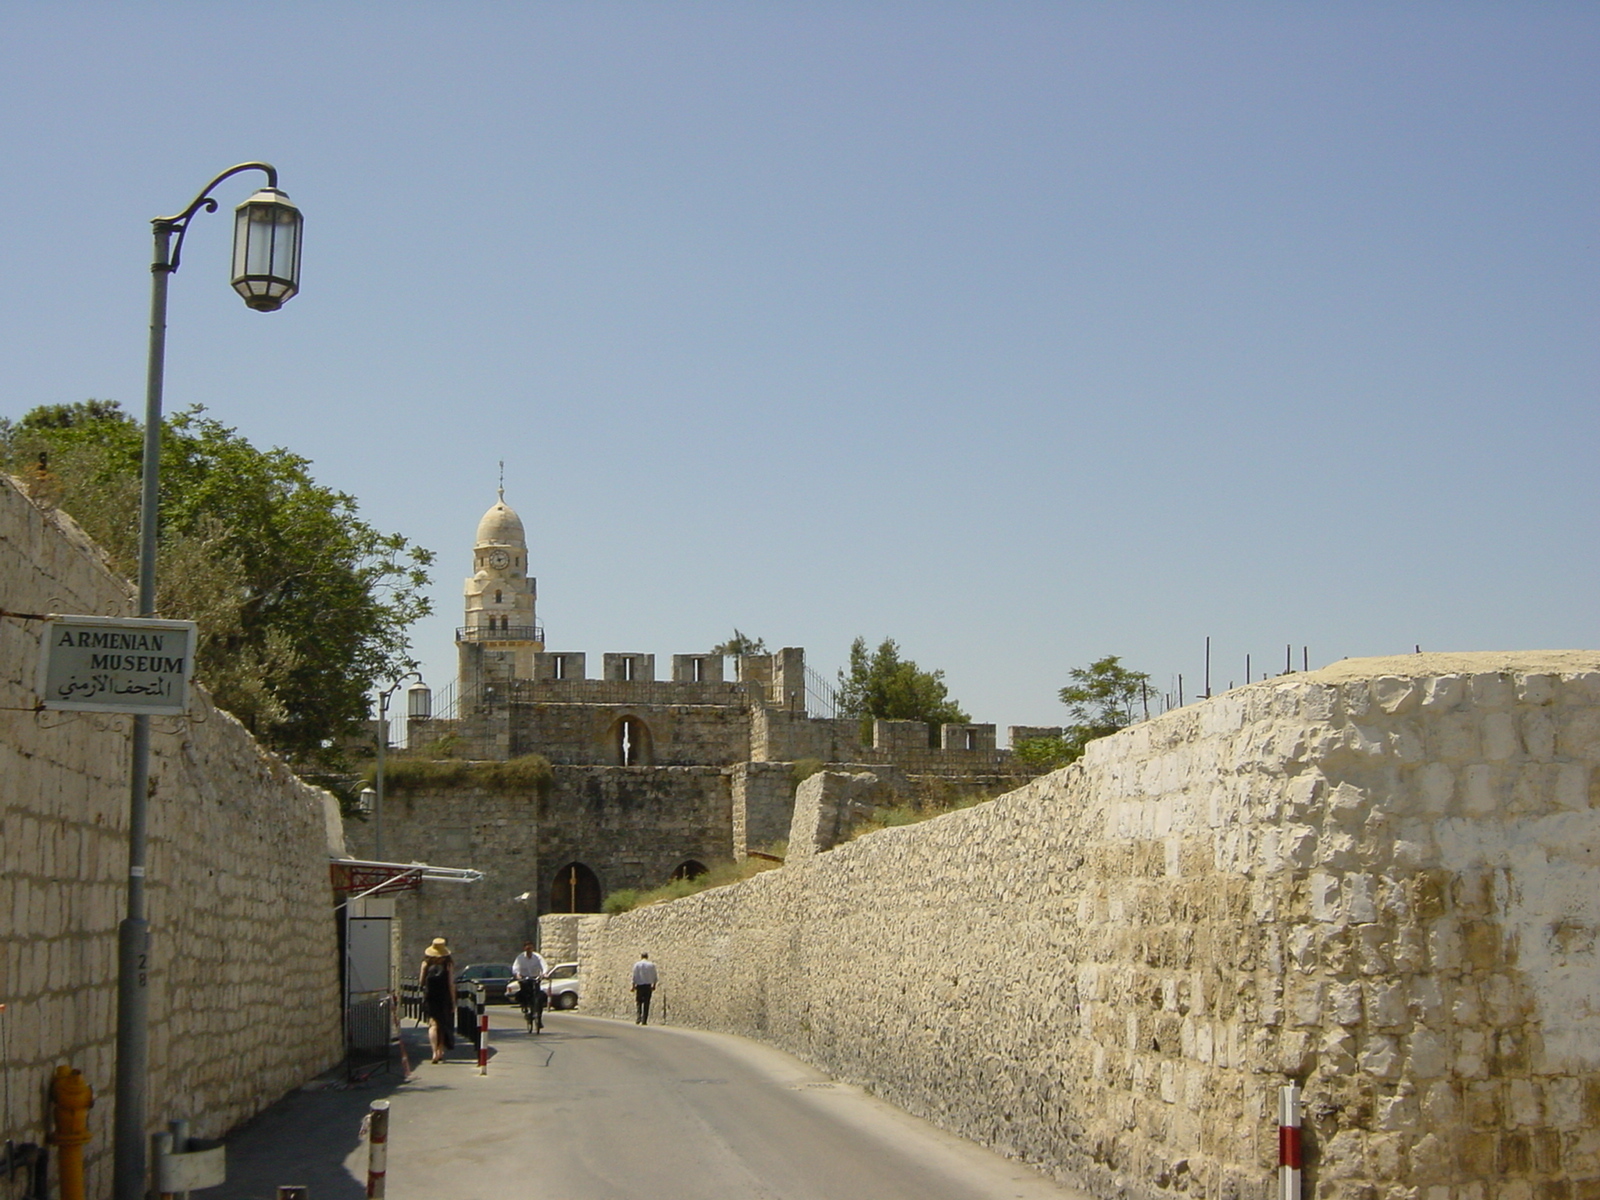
[266,250]
[367,801]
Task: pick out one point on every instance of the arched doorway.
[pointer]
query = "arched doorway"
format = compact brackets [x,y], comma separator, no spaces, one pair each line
[689,869]
[632,743]
[575,889]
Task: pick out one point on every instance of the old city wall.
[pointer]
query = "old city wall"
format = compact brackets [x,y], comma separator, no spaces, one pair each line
[588,732]
[237,886]
[631,826]
[1379,879]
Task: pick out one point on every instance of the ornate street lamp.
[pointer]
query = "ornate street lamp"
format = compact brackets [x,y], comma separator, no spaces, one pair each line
[266,257]
[266,250]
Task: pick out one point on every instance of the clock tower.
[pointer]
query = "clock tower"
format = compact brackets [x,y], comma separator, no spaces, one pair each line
[501,633]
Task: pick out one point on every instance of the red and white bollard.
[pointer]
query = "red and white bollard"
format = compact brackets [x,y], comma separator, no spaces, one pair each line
[377,1148]
[1289,1159]
[483,1030]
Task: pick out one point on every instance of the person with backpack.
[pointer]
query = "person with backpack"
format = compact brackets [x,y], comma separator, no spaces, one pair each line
[438,980]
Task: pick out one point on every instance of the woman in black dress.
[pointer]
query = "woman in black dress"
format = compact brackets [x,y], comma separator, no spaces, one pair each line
[438,980]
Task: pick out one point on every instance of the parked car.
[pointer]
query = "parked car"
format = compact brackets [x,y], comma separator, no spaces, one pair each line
[561,985]
[495,977]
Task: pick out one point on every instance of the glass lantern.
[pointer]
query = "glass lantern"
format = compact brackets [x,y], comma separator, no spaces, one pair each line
[266,250]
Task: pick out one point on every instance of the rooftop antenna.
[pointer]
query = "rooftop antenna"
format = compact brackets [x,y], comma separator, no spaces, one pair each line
[502,481]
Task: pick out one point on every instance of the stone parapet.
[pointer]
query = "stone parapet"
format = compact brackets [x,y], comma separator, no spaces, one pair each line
[1379,880]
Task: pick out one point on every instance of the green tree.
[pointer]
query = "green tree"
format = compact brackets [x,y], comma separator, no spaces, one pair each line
[1102,698]
[741,645]
[302,606]
[882,684]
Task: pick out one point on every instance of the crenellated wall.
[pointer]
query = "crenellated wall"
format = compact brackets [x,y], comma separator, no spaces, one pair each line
[237,888]
[1381,879]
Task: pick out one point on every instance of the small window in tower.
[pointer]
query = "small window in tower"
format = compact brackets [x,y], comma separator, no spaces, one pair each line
[699,670]
[627,670]
[972,739]
[561,666]
[497,598]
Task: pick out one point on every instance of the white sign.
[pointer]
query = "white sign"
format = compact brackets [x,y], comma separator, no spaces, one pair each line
[116,664]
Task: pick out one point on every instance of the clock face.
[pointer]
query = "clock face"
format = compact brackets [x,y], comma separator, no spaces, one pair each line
[499,559]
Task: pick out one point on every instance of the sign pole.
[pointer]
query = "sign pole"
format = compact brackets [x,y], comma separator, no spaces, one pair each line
[133,934]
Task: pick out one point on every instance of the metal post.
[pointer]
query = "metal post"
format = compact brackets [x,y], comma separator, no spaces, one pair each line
[133,934]
[1289,1155]
[377,803]
[377,1148]
[483,1028]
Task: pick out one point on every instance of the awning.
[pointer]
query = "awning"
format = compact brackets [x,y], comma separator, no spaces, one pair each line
[363,877]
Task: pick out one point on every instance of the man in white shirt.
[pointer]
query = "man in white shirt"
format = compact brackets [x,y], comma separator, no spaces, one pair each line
[644,983]
[529,970]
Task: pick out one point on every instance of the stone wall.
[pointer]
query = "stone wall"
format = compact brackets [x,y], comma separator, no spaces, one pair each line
[587,732]
[237,887]
[763,804]
[1379,879]
[778,735]
[631,826]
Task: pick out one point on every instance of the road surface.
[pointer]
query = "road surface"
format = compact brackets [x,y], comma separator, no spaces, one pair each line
[605,1110]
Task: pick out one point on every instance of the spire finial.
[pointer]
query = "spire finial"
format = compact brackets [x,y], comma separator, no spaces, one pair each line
[502,481]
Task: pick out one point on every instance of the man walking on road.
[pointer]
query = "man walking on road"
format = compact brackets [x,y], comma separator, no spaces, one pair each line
[644,983]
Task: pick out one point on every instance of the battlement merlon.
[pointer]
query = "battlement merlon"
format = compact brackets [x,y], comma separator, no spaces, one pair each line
[778,678]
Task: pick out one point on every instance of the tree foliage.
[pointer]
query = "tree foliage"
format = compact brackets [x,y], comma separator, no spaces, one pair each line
[1102,698]
[302,606]
[880,683]
[741,645]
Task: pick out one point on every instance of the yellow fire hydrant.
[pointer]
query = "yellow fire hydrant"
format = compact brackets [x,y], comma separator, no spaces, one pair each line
[73,1100]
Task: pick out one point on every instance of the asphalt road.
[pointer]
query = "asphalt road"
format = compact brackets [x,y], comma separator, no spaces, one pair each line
[605,1110]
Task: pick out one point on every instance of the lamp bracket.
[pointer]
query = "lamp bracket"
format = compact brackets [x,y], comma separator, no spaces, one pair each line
[180,222]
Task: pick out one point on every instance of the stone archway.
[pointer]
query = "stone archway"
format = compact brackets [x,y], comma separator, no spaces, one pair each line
[632,743]
[689,869]
[575,889]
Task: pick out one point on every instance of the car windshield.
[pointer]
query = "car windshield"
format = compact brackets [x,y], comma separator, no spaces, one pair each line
[564,972]
[485,971]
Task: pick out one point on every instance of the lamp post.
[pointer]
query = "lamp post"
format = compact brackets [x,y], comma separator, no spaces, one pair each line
[383,743]
[266,272]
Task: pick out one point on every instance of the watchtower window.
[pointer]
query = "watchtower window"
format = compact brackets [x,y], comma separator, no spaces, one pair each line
[497,599]
[627,670]
[561,666]
[633,743]
[699,670]
[972,739]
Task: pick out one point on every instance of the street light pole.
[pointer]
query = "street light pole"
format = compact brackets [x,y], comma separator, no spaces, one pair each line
[266,273]
[383,744]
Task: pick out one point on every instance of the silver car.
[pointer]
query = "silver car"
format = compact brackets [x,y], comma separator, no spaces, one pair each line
[561,985]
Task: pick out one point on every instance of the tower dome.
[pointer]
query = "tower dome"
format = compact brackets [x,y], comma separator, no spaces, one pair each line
[501,526]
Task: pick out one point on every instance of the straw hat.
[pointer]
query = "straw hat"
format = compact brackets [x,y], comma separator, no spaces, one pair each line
[437,950]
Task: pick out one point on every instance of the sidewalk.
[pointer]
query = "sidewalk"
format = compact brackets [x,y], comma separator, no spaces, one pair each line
[313,1135]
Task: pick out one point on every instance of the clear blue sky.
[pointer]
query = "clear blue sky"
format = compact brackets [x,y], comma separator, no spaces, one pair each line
[1022,333]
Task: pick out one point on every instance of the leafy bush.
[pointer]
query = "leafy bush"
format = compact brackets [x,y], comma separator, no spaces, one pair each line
[624,899]
[938,798]
[529,773]
[803,769]
[1047,753]
[620,901]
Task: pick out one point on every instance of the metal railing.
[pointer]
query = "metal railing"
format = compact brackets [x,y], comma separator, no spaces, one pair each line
[821,699]
[512,633]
